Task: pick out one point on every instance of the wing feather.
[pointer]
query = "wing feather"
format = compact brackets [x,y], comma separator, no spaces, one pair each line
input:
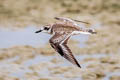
[66,21]
[68,55]
[61,47]
[70,21]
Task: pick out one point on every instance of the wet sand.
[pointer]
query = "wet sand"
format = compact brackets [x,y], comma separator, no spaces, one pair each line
[30,61]
[27,63]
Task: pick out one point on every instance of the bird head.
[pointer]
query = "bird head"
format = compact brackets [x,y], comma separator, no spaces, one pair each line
[45,29]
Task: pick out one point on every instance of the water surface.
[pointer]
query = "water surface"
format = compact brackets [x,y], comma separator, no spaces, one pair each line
[27,36]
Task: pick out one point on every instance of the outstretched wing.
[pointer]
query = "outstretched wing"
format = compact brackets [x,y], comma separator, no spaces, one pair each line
[59,43]
[66,20]
[69,21]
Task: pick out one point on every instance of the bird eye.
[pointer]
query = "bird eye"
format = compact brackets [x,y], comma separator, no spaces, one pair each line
[46,28]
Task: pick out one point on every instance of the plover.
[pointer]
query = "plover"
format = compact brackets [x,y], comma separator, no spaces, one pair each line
[62,31]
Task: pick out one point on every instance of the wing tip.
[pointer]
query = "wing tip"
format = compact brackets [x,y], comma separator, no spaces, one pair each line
[79,66]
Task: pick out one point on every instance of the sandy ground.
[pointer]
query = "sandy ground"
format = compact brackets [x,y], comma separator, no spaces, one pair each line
[100,59]
[25,62]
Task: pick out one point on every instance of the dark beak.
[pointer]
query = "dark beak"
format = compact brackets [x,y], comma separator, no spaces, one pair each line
[38,31]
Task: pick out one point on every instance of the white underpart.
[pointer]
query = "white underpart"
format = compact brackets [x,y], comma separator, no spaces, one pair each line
[79,32]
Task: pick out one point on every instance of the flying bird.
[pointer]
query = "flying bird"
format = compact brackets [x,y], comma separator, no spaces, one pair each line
[62,31]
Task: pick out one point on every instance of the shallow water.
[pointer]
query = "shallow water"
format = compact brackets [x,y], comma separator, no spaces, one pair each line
[42,66]
[27,36]
[20,71]
[111,74]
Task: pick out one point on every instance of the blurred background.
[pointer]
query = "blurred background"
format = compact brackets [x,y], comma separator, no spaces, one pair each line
[26,55]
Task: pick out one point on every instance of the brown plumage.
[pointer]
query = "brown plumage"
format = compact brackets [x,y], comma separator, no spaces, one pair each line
[59,43]
[66,28]
[62,31]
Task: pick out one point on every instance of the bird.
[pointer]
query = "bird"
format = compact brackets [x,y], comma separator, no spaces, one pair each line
[61,32]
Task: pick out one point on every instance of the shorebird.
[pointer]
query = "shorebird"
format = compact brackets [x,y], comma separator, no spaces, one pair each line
[62,31]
